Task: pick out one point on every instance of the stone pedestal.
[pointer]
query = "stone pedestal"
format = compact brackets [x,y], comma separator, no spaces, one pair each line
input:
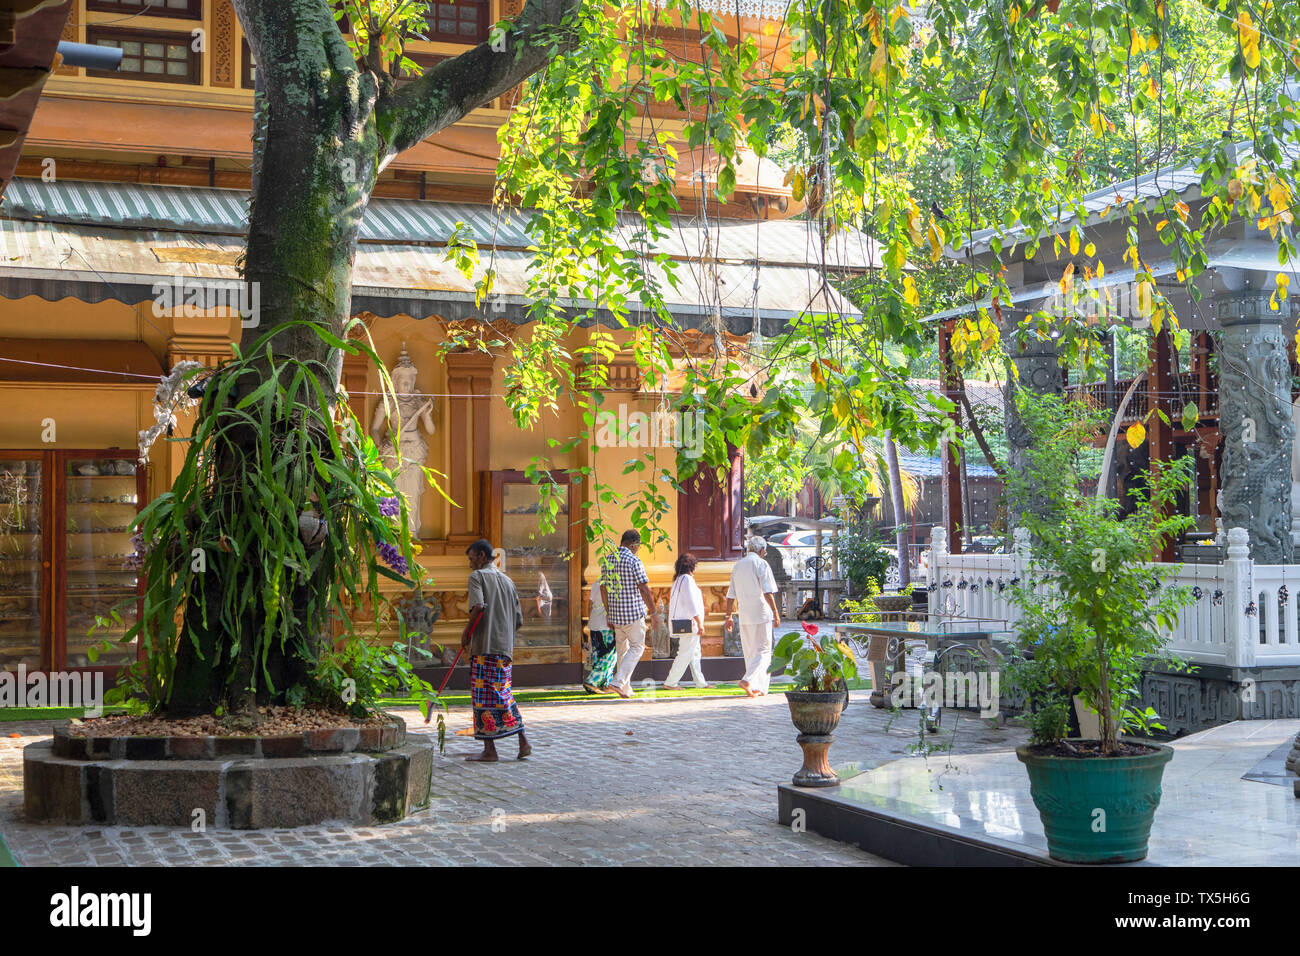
[1255,421]
[816,770]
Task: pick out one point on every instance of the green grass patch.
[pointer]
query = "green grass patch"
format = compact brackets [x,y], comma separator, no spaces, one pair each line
[574,695]
[10,714]
[6,858]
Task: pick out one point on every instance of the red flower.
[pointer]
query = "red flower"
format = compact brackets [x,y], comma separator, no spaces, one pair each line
[809,629]
[488,723]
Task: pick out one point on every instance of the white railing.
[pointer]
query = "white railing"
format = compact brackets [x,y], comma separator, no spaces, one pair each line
[1242,614]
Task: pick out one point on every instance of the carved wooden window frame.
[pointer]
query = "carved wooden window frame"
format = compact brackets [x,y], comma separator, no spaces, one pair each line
[193,9]
[483,20]
[193,77]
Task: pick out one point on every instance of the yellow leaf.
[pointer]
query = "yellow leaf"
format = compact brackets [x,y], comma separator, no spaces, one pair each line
[1161,225]
[1157,320]
[1013,15]
[937,240]
[914,221]
[1090,250]
[1074,241]
[1135,435]
[1066,276]
[879,59]
[1182,209]
[898,11]
[871,108]
[910,295]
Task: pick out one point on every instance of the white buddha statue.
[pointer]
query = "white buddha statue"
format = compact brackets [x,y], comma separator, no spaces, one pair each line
[412,449]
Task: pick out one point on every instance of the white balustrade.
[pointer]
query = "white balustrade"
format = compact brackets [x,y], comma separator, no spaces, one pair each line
[1217,627]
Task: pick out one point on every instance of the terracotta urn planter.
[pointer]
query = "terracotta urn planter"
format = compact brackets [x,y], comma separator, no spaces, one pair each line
[815,716]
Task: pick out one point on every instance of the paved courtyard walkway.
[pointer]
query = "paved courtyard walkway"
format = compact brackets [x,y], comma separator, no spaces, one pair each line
[684,782]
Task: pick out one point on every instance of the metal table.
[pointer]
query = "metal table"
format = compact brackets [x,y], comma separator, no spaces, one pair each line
[885,648]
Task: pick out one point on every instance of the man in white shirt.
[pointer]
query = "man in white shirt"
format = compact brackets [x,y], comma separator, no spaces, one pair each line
[752,597]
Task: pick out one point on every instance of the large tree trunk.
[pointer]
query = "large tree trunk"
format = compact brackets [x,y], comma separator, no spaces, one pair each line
[324,128]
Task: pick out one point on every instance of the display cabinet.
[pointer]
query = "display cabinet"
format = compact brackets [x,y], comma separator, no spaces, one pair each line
[66,556]
[543,565]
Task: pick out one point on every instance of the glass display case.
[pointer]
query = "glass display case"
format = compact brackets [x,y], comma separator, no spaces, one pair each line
[24,581]
[101,501]
[66,556]
[543,565]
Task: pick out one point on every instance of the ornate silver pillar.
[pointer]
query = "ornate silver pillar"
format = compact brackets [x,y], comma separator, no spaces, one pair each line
[1255,423]
[1037,371]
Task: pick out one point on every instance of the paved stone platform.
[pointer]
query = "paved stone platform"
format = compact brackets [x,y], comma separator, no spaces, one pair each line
[1227,802]
[667,782]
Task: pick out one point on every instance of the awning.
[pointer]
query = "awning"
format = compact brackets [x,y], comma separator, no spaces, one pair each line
[83,361]
[99,241]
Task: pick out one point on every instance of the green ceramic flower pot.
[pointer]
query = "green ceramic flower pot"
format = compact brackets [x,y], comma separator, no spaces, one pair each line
[1097,809]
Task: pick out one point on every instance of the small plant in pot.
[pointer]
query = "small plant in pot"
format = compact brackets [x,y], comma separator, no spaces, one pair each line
[821,670]
[1095,614]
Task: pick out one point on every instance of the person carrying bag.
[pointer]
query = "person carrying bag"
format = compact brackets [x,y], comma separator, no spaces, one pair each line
[686,614]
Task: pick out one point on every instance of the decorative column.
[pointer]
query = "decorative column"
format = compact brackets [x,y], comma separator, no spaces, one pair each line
[1295,478]
[934,573]
[1039,371]
[1255,421]
[1240,634]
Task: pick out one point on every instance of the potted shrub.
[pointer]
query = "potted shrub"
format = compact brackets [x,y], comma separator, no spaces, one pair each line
[1095,614]
[821,670]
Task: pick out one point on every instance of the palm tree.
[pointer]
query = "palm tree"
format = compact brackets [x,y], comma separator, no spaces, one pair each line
[896,502]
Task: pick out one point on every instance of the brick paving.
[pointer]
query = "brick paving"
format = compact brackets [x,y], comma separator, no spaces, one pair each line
[658,783]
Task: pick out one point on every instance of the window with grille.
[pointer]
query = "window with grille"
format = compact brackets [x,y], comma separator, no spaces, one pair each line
[248,69]
[465,21]
[149,55]
[185,9]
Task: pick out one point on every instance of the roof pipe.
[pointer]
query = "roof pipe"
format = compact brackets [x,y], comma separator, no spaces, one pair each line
[106,58]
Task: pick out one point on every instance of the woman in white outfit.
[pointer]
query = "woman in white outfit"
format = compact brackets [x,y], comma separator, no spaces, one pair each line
[686,607]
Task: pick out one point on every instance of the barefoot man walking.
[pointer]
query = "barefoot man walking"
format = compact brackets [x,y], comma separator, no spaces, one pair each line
[495,604]
[753,588]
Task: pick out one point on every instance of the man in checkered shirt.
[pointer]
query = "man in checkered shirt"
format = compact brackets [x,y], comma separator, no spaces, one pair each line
[625,588]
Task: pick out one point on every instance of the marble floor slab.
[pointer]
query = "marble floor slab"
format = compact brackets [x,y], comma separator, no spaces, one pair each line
[1221,804]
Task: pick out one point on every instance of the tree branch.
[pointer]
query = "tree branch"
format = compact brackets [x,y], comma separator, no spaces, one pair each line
[449,91]
[978,432]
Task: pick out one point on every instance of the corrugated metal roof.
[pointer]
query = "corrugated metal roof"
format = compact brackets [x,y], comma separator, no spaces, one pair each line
[926,466]
[195,209]
[93,263]
[1153,185]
